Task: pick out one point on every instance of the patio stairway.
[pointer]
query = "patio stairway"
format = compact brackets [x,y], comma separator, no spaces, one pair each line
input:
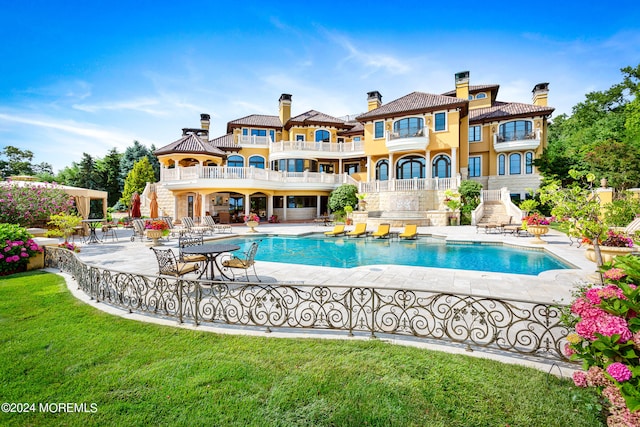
[494,212]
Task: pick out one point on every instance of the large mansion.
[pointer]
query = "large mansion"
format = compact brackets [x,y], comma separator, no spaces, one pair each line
[403,154]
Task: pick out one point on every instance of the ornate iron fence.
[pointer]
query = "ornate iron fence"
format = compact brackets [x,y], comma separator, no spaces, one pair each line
[525,328]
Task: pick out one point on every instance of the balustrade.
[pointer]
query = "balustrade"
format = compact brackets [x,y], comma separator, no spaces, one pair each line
[519,327]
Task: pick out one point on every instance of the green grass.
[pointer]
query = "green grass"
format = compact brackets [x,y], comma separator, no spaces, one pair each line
[54,348]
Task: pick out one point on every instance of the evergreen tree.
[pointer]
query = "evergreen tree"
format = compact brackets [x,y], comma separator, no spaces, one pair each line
[130,156]
[110,171]
[137,179]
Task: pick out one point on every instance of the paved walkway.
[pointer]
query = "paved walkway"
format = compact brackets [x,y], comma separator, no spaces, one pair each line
[549,287]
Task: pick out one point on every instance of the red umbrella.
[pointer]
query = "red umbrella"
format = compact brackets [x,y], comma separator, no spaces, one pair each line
[135,206]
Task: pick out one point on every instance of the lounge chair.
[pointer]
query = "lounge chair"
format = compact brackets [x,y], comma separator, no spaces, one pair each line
[359,230]
[243,264]
[169,265]
[382,232]
[410,232]
[216,228]
[187,222]
[337,231]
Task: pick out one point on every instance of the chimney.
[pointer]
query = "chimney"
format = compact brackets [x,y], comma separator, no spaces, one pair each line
[204,121]
[284,108]
[462,85]
[374,100]
[540,94]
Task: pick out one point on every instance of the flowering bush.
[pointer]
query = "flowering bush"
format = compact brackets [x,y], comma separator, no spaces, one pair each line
[28,204]
[536,219]
[16,246]
[253,217]
[607,339]
[71,246]
[156,225]
[613,240]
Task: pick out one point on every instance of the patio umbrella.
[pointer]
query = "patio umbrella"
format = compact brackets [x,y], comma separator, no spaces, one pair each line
[197,206]
[135,206]
[153,205]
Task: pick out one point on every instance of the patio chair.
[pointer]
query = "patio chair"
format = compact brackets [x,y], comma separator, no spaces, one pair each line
[138,229]
[236,263]
[410,232]
[216,228]
[109,230]
[191,227]
[382,232]
[337,231]
[359,230]
[187,241]
[173,230]
[169,265]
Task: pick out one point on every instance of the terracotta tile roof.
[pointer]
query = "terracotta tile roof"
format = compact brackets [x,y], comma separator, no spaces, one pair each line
[474,89]
[357,129]
[500,110]
[313,117]
[255,120]
[224,141]
[189,144]
[415,102]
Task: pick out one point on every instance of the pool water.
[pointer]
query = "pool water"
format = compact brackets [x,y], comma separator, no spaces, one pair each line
[423,252]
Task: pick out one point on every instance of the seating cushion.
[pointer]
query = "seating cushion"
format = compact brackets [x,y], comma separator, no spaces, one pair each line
[235,263]
[194,258]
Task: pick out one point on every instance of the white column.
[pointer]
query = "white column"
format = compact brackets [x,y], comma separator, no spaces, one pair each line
[369,169]
[318,213]
[269,206]
[284,207]
[454,162]
[247,204]
[427,163]
[392,169]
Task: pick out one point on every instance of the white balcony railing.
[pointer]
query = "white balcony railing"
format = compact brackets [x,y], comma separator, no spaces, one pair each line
[403,141]
[254,140]
[251,173]
[414,184]
[330,147]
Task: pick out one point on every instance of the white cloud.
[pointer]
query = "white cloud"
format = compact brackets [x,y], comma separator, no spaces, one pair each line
[141,105]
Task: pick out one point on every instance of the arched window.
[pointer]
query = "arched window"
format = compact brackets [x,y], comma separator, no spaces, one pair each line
[501,164]
[441,166]
[256,162]
[515,131]
[407,128]
[382,170]
[323,136]
[481,95]
[515,164]
[410,167]
[528,163]
[235,161]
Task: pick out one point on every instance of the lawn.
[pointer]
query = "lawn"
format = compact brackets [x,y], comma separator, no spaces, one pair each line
[56,349]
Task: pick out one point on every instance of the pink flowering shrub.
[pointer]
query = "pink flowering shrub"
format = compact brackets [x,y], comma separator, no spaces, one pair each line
[16,246]
[28,204]
[607,339]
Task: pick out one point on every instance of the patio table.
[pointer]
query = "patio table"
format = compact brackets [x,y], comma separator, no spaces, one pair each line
[211,251]
[93,224]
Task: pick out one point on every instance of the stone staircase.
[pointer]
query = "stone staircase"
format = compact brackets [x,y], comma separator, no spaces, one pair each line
[494,213]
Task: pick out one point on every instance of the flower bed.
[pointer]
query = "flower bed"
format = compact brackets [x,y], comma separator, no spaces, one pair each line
[607,339]
[16,247]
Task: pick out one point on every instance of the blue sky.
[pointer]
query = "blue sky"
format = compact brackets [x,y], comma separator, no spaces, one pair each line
[89,76]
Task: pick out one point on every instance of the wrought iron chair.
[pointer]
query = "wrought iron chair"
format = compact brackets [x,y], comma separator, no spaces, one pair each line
[243,264]
[169,265]
[185,242]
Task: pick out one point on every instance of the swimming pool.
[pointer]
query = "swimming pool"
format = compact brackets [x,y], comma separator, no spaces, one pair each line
[424,252]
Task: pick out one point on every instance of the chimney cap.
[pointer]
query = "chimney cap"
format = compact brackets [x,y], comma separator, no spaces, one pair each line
[285,97]
[205,117]
[462,75]
[374,95]
[541,87]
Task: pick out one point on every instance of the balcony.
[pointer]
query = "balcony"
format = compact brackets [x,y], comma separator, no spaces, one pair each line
[236,177]
[516,142]
[313,149]
[404,141]
[253,141]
